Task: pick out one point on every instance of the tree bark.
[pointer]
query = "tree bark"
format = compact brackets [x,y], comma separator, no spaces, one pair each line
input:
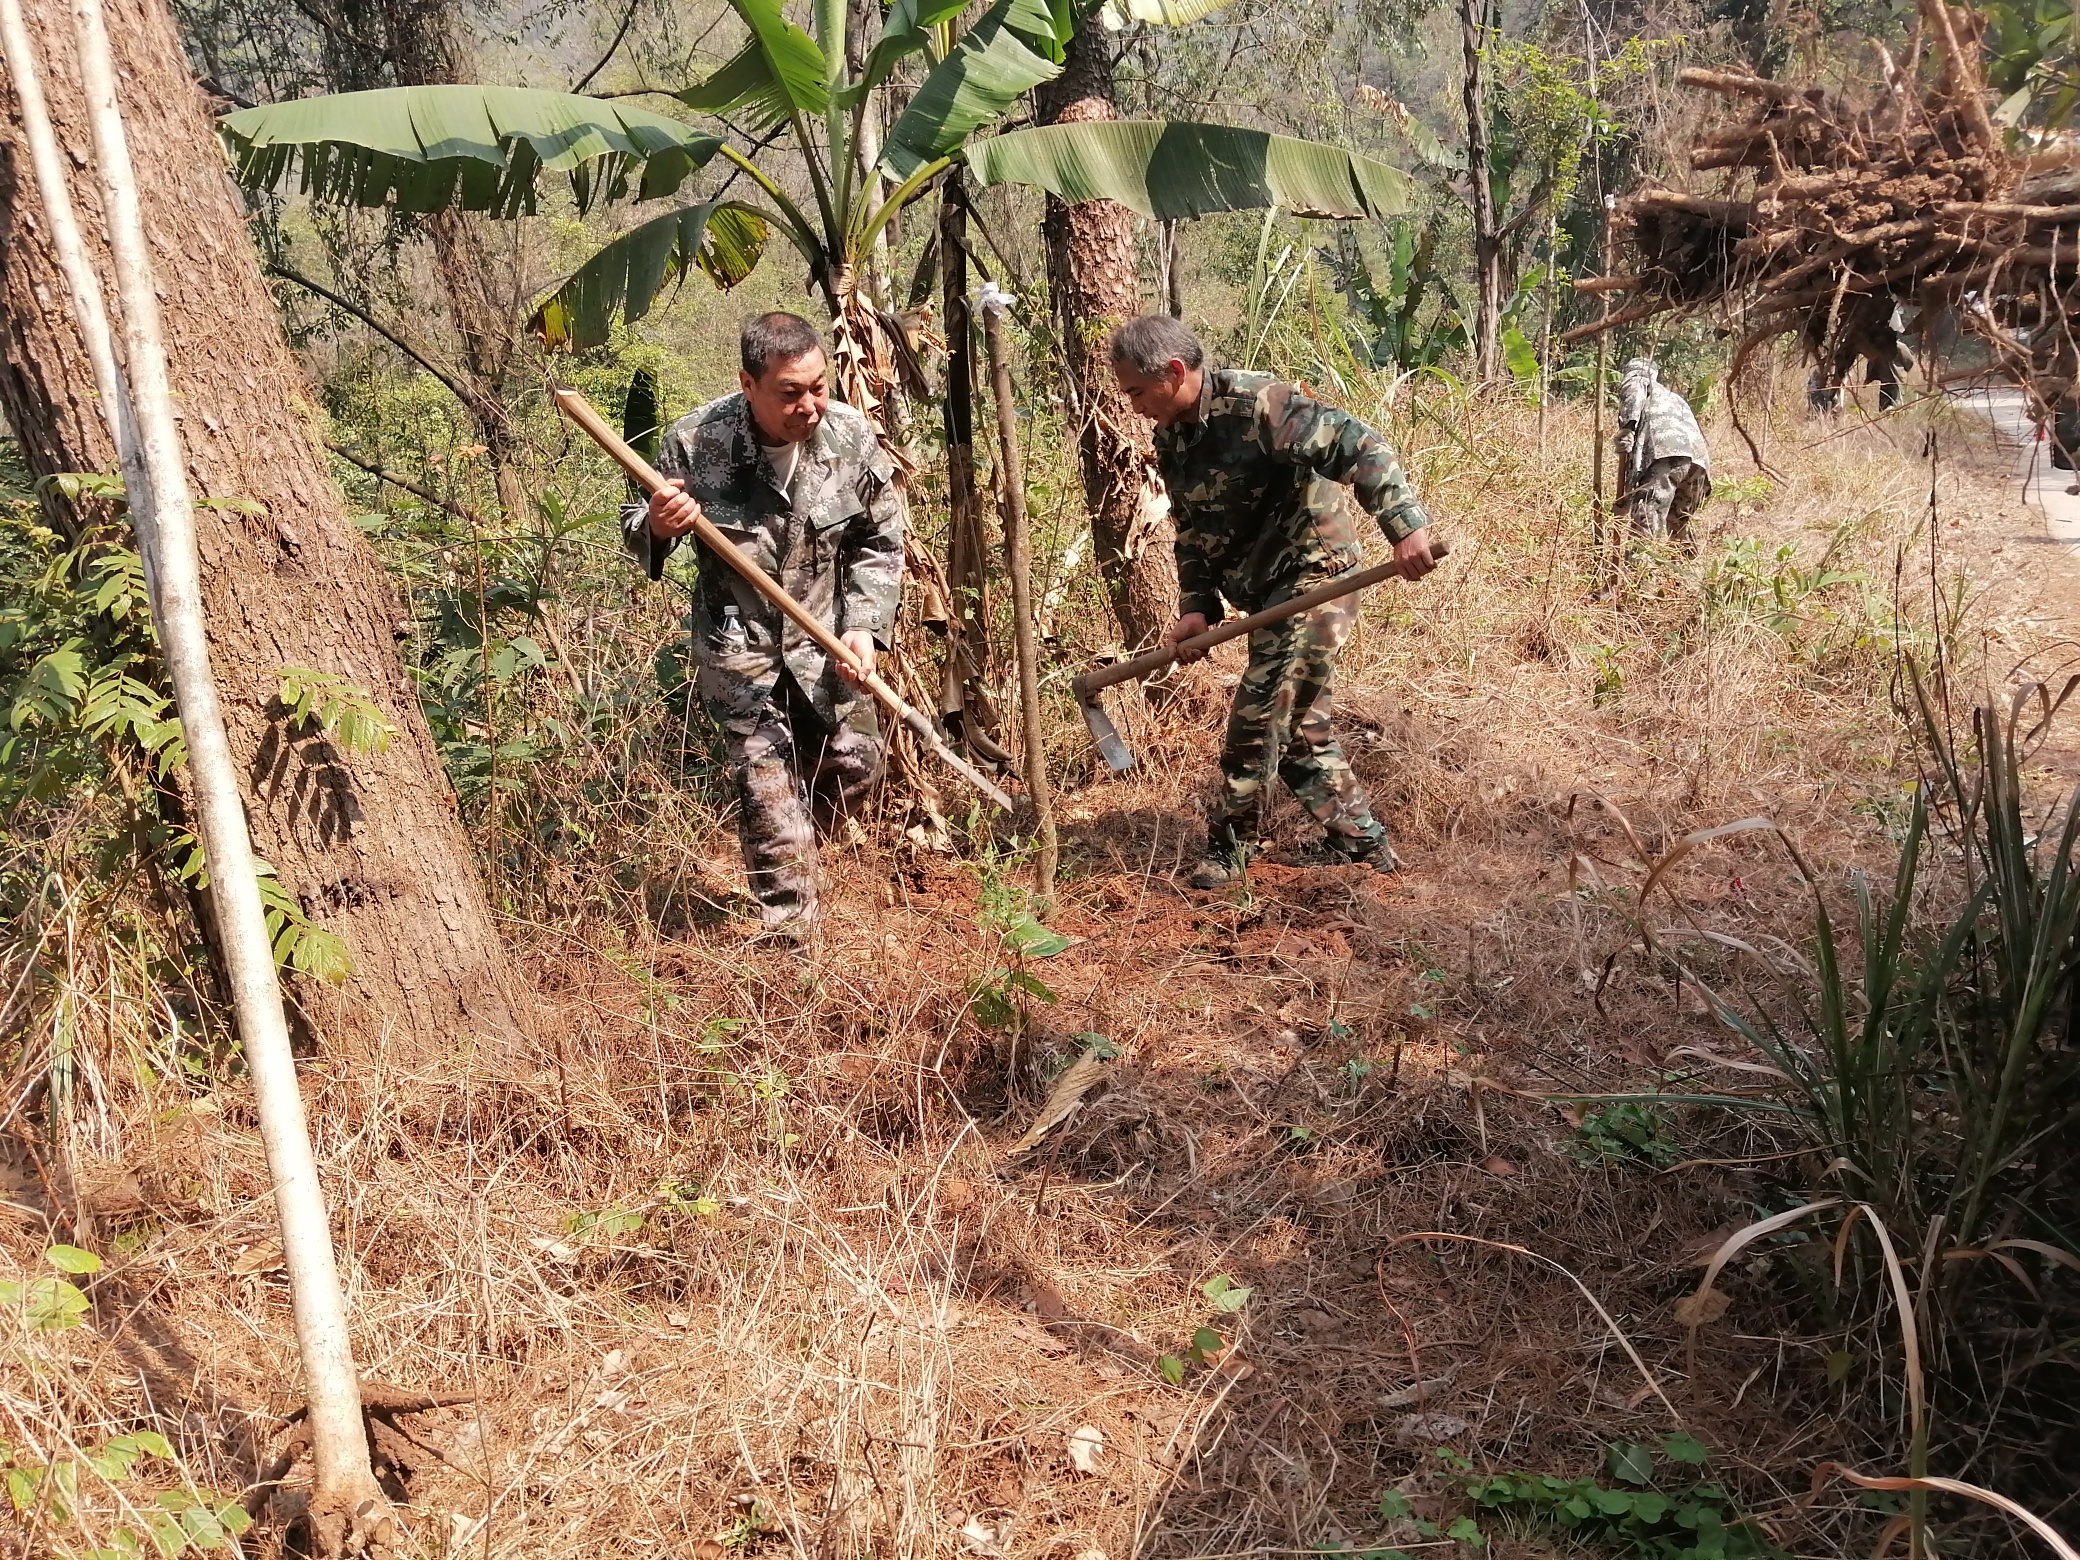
[1091,271]
[1487,229]
[369,843]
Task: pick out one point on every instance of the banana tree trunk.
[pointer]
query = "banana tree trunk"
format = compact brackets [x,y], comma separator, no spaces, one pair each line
[369,843]
[1091,271]
[865,376]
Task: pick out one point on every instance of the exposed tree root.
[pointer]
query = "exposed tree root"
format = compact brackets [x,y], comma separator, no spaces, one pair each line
[360,1521]
[1836,214]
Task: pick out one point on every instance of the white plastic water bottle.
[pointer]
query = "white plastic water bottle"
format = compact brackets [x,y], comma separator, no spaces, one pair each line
[733,640]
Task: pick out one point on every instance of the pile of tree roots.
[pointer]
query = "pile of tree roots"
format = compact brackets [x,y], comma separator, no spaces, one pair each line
[1839,221]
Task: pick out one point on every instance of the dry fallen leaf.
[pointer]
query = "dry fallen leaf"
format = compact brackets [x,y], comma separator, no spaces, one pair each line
[1086,1444]
[1423,1429]
[266,1257]
[1067,1093]
[708,1549]
[1702,1308]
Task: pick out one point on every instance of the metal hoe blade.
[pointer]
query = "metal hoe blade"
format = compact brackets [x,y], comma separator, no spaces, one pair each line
[1103,732]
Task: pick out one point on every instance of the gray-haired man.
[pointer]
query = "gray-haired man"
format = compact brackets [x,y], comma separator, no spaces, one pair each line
[802,486]
[1255,467]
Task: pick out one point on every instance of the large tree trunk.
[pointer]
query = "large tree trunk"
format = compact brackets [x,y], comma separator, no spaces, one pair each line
[369,843]
[1474,27]
[424,40]
[1090,269]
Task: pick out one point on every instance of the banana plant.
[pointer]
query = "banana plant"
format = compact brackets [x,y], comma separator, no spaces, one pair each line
[486,148]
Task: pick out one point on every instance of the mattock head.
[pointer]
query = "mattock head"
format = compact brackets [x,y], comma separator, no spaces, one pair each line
[1103,732]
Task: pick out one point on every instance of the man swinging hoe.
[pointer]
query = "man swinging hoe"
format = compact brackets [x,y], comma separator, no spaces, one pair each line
[1253,466]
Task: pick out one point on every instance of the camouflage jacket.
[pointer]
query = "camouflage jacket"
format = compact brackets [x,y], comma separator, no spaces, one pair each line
[835,543]
[1654,423]
[1254,488]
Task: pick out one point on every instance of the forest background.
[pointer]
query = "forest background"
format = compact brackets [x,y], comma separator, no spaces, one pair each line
[714,1251]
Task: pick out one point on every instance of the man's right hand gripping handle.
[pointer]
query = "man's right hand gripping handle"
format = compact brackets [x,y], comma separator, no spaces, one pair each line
[672,513]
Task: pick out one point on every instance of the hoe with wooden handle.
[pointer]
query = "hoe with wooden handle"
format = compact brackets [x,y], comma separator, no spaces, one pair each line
[1106,735]
[586,416]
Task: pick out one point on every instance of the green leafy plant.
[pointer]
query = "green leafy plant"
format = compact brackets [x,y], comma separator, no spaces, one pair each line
[337,708]
[1227,1298]
[84,703]
[1627,1132]
[51,1304]
[174,1522]
[998,999]
[1924,1059]
[1406,305]
[1821,609]
[1656,1505]
[300,944]
[686,1198]
[438,147]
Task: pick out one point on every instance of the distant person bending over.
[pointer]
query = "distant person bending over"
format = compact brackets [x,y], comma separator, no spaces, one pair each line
[1664,466]
[1253,466]
[803,487]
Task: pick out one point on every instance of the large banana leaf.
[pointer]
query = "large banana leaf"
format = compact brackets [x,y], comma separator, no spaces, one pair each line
[907,29]
[1169,170]
[477,148]
[988,70]
[1116,14]
[780,71]
[721,238]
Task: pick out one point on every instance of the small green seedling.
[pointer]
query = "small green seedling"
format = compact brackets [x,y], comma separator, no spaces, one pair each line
[1627,1132]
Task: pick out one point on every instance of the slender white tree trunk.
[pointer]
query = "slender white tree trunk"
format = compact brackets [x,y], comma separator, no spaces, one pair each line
[346,1498]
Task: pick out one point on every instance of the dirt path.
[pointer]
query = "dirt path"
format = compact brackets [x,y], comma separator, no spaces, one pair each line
[2021,545]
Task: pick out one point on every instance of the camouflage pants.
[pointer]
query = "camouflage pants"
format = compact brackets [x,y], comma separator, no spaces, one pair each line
[1280,716]
[1668,493]
[794,771]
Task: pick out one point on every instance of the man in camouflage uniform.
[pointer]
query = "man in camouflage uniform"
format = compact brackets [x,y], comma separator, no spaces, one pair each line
[803,487]
[1664,467]
[1253,468]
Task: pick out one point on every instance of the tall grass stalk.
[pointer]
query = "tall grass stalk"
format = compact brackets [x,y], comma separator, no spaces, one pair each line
[1929,1058]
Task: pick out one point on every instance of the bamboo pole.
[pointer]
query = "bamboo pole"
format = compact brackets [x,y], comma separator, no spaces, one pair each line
[1018,558]
[347,1506]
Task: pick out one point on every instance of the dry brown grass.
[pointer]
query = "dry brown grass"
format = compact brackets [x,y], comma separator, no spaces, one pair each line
[884,1332]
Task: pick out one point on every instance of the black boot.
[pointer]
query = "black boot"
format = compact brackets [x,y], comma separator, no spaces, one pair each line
[1376,854]
[1226,855]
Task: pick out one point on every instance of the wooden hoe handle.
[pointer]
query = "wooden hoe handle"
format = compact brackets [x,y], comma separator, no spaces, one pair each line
[1154,661]
[582,412]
